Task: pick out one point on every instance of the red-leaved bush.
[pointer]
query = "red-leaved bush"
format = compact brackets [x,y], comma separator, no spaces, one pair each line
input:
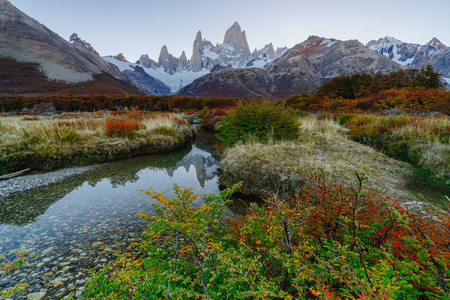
[121,126]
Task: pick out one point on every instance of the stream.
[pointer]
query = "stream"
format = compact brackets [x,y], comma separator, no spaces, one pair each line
[85,222]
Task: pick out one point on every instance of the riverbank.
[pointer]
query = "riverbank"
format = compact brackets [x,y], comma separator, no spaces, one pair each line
[50,144]
[280,167]
[28,182]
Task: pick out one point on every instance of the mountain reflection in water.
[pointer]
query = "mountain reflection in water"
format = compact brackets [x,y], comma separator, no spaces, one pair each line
[191,167]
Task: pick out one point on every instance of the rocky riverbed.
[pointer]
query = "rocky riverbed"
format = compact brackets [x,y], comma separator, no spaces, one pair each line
[88,218]
[63,265]
[28,182]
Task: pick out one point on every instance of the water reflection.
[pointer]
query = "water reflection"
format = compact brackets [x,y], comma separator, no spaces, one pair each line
[187,167]
[84,222]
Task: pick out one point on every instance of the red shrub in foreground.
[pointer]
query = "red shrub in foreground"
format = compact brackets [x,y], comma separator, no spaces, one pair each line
[342,239]
[121,127]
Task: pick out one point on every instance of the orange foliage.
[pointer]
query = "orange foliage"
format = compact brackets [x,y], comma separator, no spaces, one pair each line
[121,126]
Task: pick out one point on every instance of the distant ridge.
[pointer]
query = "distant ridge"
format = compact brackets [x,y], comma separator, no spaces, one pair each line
[301,69]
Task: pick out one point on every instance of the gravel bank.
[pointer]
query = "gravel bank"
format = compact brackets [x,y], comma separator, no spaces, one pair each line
[27,182]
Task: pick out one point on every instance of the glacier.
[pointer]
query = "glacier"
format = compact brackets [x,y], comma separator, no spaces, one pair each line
[175,82]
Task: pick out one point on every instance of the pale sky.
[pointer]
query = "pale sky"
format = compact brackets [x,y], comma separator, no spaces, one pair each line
[136,27]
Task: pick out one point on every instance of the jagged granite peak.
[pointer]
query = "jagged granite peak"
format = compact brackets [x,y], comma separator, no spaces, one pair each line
[264,57]
[120,57]
[75,39]
[183,57]
[147,62]
[198,49]
[268,50]
[168,61]
[302,68]
[183,61]
[237,39]
[280,51]
[205,56]
[198,37]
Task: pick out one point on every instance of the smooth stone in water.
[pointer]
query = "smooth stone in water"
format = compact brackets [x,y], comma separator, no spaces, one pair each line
[97,244]
[36,296]
[47,251]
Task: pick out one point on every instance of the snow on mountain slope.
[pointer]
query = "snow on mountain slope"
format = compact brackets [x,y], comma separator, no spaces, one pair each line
[175,81]
[178,79]
[179,72]
[408,54]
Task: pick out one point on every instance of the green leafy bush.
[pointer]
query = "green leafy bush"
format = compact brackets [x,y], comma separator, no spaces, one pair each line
[262,121]
[335,240]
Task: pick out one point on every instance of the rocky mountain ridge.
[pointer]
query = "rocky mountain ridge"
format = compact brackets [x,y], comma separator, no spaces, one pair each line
[412,55]
[234,52]
[218,69]
[25,39]
[301,69]
[408,54]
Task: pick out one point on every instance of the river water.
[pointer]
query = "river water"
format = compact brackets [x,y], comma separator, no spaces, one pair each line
[85,222]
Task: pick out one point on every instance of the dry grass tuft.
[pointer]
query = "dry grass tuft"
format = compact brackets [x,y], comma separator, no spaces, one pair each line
[279,167]
[82,139]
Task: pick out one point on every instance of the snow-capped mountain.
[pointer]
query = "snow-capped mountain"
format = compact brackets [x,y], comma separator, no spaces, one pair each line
[408,54]
[301,69]
[175,72]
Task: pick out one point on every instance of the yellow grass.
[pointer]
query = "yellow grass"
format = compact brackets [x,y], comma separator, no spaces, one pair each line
[83,138]
[279,167]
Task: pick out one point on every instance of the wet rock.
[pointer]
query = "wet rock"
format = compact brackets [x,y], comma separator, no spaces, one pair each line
[97,244]
[47,251]
[36,296]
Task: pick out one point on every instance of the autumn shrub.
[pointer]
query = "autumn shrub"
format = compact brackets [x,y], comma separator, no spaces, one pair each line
[135,114]
[203,112]
[210,118]
[422,141]
[344,118]
[121,127]
[262,121]
[335,240]
[363,128]
[325,115]
[296,99]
